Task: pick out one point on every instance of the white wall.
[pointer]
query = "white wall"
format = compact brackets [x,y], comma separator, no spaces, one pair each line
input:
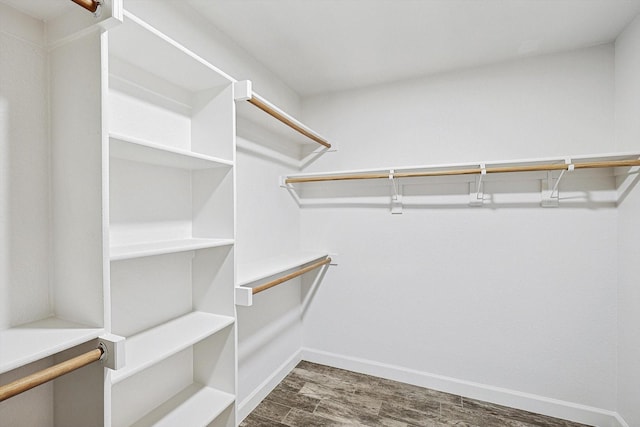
[24,200]
[268,223]
[519,298]
[24,171]
[627,50]
[542,106]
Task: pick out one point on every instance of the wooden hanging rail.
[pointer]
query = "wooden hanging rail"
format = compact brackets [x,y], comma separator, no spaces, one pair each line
[90,5]
[466,171]
[290,276]
[274,112]
[38,378]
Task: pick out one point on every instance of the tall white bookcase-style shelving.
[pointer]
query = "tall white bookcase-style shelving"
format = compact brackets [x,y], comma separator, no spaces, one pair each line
[123,221]
[135,224]
[171,229]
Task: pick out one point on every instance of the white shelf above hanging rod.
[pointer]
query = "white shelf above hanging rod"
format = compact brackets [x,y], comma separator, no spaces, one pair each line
[443,185]
[244,92]
[280,266]
[512,166]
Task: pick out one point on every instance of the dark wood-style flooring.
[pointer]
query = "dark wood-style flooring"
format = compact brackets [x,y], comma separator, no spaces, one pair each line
[316,395]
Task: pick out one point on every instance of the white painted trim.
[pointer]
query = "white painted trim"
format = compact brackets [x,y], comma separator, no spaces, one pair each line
[501,396]
[256,396]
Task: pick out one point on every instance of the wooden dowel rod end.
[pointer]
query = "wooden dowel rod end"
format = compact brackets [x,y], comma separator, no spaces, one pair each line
[90,5]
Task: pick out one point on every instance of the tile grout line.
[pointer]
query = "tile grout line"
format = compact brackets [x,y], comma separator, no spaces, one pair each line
[285,416]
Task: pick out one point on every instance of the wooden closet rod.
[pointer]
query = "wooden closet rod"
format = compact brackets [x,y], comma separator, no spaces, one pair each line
[264,106]
[49,374]
[90,5]
[290,276]
[469,171]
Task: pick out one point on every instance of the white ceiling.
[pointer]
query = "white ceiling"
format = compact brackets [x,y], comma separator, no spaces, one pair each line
[327,45]
[319,46]
[41,9]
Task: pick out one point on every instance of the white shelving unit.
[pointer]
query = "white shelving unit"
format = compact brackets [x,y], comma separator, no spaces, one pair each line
[171,226]
[43,338]
[200,404]
[267,130]
[272,132]
[251,274]
[138,150]
[52,239]
[267,267]
[508,182]
[165,247]
[131,227]
[156,344]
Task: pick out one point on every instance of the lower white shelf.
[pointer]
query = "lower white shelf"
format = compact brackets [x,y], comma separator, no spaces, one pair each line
[165,247]
[155,344]
[33,341]
[196,405]
[266,267]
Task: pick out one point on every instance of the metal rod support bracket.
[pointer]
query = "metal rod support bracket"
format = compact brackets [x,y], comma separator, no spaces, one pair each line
[476,194]
[396,197]
[551,187]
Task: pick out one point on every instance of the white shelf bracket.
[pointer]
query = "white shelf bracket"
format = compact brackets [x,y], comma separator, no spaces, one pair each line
[476,195]
[113,347]
[334,259]
[282,182]
[242,90]
[551,187]
[396,197]
[244,296]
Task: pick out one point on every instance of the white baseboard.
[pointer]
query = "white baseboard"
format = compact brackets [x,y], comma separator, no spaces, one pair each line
[253,400]
[501,396]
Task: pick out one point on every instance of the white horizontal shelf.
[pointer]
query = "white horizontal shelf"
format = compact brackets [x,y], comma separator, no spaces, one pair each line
[134,39]
[266,121]
[196,405]
[139,150]
[139,250]
[267,267]
[33,341]
[559,160]
[155,344]
[269,131]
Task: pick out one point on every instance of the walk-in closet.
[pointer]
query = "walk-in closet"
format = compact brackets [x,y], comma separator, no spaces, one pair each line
[319,213]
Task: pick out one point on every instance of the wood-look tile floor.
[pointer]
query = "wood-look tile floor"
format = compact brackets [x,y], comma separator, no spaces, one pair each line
[316,395]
